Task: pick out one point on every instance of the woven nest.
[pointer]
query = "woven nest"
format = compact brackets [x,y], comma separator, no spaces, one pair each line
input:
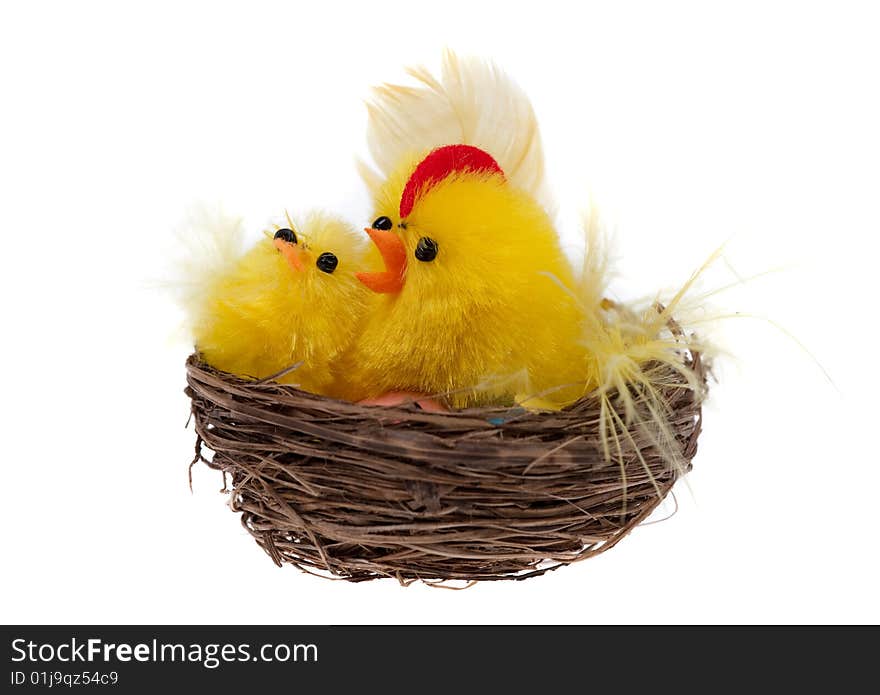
[359,493]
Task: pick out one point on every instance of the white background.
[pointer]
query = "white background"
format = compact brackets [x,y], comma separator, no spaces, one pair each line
[691,124]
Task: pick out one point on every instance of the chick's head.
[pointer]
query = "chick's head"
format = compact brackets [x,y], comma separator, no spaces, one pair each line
[453,228]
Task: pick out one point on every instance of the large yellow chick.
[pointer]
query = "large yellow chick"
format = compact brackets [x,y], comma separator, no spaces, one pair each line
[477,299]
[291,299]
[498,275]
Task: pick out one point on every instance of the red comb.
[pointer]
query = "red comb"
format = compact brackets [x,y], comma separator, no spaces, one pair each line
[439,164]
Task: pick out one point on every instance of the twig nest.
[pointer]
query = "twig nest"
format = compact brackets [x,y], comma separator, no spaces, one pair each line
[357,493]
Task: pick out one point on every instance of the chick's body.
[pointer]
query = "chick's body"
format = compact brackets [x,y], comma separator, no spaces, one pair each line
[286,302]
[491,314]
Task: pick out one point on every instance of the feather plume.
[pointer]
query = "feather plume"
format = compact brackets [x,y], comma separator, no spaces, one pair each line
[473,103]
[633,350]
[210,243]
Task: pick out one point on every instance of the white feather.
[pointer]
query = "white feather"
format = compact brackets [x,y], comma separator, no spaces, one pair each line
[472,103]
[210,242]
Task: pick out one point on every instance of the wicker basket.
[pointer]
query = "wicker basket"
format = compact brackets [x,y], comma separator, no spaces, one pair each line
[358,493]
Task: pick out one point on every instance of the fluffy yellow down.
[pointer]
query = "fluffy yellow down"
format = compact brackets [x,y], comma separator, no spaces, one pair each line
[262,315]
[492,315]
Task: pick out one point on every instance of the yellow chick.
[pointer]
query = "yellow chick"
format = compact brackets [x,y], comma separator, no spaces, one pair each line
[291,299]
[477,299]
[498,275]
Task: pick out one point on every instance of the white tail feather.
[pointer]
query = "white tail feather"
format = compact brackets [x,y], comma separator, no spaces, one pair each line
[472,103]
[209,244]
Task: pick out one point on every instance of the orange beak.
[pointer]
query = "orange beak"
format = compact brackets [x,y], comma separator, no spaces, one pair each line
[394,255]
[292,252]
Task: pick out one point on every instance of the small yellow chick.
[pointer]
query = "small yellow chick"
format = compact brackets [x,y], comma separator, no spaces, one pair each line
[292,298]
[477,299]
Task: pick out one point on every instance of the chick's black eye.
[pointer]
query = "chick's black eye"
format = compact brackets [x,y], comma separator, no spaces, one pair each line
[286,235]
[383,223]
[327,262]
[426,249]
